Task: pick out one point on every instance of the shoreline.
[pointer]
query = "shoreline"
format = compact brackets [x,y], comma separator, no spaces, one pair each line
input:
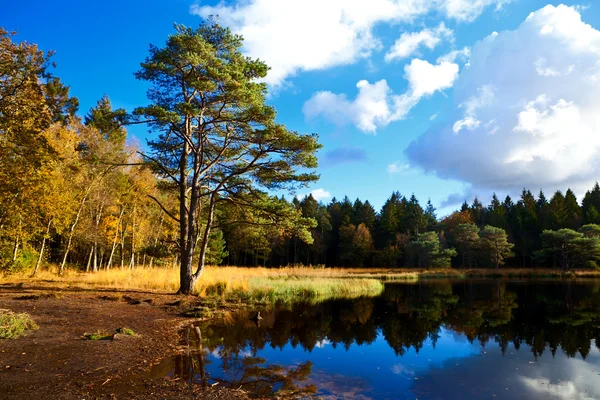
[58,358]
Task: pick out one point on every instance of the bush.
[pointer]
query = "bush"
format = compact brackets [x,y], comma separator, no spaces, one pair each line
[26,259]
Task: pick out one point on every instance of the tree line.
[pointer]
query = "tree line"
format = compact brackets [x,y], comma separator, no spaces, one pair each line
[76,191]
[528,232]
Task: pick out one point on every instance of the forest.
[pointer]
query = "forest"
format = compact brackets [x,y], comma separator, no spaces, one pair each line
[78,192]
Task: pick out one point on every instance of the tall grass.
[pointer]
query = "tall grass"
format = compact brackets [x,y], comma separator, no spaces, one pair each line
[289,290]
[255,284]
[14,325]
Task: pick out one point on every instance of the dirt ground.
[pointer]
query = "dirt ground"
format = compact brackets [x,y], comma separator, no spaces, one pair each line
[55,362]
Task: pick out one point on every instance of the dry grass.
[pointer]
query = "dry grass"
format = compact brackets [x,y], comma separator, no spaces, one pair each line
[280,283]
[260,284]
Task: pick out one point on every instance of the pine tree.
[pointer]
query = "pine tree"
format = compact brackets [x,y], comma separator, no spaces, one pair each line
[217,138]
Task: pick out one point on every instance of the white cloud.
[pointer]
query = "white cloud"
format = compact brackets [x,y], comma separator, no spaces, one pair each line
[576,380]
[455,55]
[320,194]
[543,70]
[408,43]
[322,343]
[397,168]
[369,110]
[425,78]
[305,35]
[519,127]
[375,105]
[556,390]
[468,123]
[468,10]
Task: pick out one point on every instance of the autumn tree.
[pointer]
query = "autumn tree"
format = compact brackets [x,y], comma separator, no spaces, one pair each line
[31,100]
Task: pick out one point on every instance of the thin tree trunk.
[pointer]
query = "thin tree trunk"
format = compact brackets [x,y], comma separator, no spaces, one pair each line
[87,268]
[132,262]
[16,249]
[41,256]
[114,244]
[205,238]
[72,231]
[97,228]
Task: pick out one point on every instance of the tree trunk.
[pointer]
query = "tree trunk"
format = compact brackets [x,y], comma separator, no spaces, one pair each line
[205,238]
[72,231]
[114,245]
[41,256]
[16,249]
[187,281]
[87,268]
[132,261]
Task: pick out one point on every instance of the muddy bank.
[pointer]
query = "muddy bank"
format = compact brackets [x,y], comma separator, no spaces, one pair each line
[57,362]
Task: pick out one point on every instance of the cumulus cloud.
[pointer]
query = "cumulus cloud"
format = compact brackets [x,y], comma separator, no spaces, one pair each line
[375,105]
[368,110]
[344,155]
[526,110]
[408,43]
[306,35]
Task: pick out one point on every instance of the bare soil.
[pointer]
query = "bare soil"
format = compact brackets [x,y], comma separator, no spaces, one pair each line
[56,362]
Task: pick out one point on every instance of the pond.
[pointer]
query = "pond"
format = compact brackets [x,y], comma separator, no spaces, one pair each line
[427,340]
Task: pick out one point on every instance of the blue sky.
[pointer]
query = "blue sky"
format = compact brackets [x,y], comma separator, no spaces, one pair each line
[446,99]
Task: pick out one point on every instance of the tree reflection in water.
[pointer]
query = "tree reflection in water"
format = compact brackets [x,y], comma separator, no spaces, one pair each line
[542,315]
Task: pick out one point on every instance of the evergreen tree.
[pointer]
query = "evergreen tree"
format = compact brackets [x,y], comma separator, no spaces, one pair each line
[108,121]
[496,213]
[494,244]
[478,212]
[428,252]
[573,217]
[558,211]
[430,217]
[467,239]
[217,137]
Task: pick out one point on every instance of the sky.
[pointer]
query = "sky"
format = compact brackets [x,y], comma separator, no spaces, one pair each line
[446,99]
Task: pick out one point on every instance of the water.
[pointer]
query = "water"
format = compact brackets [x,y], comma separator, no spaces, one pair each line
[437,340]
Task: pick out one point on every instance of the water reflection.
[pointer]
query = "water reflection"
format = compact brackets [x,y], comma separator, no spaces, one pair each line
[436,340]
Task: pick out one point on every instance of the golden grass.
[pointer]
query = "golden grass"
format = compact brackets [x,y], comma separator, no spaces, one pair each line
[274,283]
[261,284]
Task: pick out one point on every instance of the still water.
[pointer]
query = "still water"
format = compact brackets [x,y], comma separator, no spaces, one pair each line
[430,340]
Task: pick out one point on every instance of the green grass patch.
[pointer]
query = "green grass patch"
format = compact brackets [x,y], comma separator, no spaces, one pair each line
[99,335]
[103,335]
[293,290]
[14,325]
[126,331]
